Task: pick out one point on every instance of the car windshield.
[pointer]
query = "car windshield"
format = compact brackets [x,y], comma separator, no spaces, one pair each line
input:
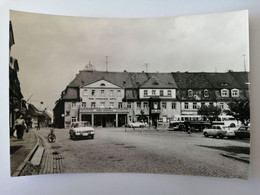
[82,124]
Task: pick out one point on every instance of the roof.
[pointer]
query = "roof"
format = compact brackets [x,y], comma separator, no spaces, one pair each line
[242,78]
[189,80]
[132,81]
[156,83]
[222,80]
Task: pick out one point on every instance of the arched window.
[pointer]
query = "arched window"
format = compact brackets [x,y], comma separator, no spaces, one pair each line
[102,84]
[235,93]
[224,93]
[206,93]
[190,93]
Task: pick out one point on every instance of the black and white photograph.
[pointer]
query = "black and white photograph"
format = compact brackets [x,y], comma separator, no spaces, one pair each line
[158,95]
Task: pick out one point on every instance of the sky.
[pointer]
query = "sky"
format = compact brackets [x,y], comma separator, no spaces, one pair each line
[52,49]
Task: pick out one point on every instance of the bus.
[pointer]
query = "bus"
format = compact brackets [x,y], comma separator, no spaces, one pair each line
[199,122]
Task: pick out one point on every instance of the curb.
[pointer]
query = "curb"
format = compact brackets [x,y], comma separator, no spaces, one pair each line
[247,160]
[29,156]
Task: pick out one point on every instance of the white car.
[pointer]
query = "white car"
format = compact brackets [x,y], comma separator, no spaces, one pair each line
[215,131]
[81,130]
[137,124]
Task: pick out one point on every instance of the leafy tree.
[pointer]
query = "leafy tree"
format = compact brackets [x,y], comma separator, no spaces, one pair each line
[211,112]
[240,110]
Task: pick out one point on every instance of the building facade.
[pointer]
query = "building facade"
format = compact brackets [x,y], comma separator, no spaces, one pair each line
[114,99]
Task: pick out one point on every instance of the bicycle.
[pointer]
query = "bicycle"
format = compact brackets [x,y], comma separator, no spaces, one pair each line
[51,136]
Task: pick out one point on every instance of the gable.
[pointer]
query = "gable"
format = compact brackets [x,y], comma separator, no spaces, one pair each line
[102,84]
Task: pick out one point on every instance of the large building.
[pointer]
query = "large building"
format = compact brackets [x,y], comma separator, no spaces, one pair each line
[116,98]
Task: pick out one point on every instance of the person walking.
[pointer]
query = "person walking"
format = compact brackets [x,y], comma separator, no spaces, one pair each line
[20,125]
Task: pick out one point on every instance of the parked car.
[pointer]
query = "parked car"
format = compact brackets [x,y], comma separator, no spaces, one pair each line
[81,130]
[215,131]
[243,132]
[137,124]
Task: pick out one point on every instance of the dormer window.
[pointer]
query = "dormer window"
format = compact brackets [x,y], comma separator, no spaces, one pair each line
[190,93]
[206,93]
[235,93]
[224,93]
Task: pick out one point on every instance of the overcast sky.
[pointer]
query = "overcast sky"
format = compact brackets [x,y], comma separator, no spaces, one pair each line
[52,49]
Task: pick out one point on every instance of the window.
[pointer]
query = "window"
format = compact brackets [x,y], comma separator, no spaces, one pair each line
[153,92]
[111,104]
[138,104]
[102,92]
[85,92]
[169,92]
[84,104]
[206,93]
[102,84]
[73,105]
[145,104]
[102,104]
[190,93]
[161,92]
[93,92]
[128,104]
[164,105]
[145,92]
[224,93]
[155,105]
[186,105]
[93,104]
[235,93]
[73,119]
[120,105]
[221,105]
[211,104]
[174,105]
[194,105]
[119,92]
[111,92]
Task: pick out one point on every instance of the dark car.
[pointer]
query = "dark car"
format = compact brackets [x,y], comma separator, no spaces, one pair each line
[243,132]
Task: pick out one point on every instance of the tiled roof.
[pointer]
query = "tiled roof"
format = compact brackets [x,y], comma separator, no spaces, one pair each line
[132,81]
[189,80]
[222,80]
[242,78]
[71,93]
[155,82]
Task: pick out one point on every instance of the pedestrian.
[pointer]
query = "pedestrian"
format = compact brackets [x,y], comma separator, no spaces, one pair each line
[20,125]
[188,130]
[155,124]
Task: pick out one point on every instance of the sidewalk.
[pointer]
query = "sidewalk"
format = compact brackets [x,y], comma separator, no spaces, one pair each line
[21,151]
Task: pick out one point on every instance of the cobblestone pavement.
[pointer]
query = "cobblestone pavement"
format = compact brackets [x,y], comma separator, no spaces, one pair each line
[148,151]
[52,160]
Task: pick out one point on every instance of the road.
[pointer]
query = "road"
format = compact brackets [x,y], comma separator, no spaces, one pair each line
[148,151]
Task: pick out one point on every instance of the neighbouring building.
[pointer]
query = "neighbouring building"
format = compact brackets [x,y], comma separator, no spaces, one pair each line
[16,105]
[116,98]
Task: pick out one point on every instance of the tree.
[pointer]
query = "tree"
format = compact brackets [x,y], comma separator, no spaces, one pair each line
[211,112]
[240,110]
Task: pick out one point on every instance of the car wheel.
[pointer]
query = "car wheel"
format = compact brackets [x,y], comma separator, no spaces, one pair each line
[73,136]
[206,134]
[220,136]
[92,137]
